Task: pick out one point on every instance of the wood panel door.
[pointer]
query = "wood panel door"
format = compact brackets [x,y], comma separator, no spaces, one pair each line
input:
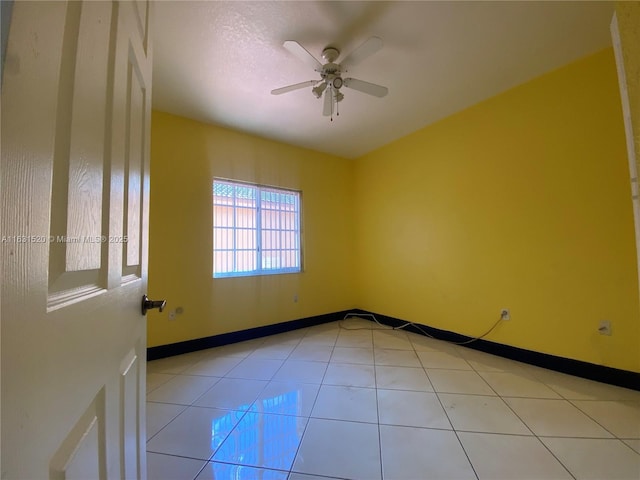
[76,97]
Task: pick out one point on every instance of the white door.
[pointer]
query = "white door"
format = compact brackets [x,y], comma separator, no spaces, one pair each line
[628,127]
[74,177]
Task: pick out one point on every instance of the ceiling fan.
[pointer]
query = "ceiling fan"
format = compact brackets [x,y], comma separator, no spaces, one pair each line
[331,81]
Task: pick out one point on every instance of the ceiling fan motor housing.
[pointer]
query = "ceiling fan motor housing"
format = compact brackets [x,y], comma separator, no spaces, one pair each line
[331,71]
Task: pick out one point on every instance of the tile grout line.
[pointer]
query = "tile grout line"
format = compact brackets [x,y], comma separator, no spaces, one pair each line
[555,456]
[192,405]
[201,470]
[295,456]
[504,402]
[256,399]
[521,420]
[170,421]
[571,402]
[473,468]
[375,373]
[497,395]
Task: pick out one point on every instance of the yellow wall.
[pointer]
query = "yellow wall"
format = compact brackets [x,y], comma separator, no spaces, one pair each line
[520,202]
[185,156]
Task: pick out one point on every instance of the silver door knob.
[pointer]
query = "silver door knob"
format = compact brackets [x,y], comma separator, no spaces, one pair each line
[150,304]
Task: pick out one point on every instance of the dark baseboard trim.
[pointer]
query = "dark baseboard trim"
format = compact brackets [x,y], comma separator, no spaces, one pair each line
[188,346]
[591,371]
[578,368]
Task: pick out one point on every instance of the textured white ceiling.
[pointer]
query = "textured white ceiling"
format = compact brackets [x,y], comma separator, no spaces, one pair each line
[218,61]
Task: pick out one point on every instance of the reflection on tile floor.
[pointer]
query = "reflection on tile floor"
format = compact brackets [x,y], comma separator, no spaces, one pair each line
[351,400]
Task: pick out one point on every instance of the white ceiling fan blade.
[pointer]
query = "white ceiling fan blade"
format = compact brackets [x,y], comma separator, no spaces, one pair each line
[366,87]
[368,48]
[328,102]
[302,53]
[291,88]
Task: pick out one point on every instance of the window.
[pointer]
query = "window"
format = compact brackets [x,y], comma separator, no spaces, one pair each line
[256,230]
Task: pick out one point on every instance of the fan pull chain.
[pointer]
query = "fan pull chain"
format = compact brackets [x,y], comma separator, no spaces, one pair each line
[332,105]
[332,97]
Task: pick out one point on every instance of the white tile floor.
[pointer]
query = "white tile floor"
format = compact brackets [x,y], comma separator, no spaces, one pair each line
[326,402]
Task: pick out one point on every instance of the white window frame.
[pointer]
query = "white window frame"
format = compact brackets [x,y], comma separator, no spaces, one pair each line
[294,247]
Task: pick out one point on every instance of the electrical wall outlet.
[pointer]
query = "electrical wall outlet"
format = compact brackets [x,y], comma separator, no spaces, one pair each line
[604,328]
[505,314]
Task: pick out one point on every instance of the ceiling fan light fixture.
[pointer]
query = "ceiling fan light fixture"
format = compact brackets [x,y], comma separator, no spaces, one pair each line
[318,90]
[337,83]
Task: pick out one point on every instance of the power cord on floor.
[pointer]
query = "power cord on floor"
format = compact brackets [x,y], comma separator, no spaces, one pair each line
[414,325]
[360,315]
